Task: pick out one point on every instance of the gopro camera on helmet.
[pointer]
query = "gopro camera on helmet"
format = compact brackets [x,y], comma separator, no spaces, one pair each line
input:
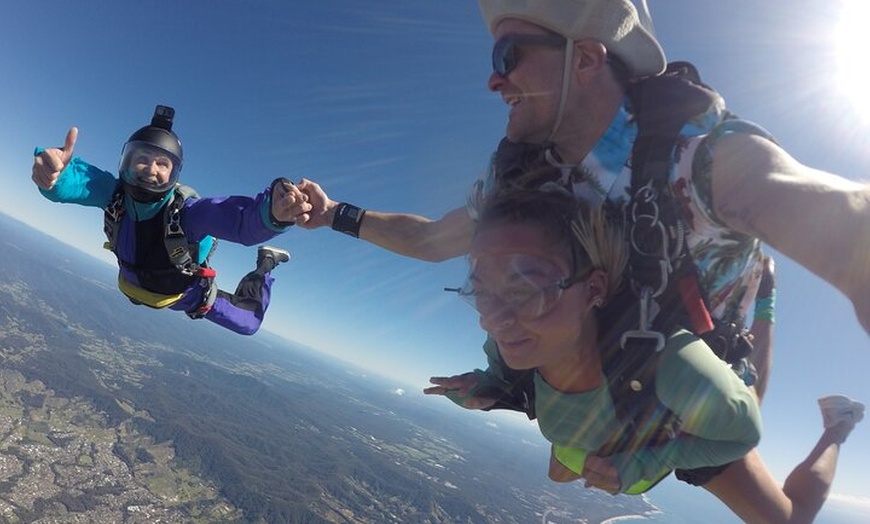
[162,118]
[152,157]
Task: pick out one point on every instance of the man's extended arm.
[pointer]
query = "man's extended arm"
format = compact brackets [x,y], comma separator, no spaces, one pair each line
[817,219]
[406,234]
[419,237]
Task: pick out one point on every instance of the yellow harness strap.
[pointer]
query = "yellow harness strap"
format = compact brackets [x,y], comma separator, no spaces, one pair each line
[143,296]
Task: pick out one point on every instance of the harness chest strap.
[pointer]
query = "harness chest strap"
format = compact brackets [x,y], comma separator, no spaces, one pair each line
[177,246]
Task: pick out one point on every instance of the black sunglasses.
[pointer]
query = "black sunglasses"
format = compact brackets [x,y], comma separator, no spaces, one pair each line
[504,54]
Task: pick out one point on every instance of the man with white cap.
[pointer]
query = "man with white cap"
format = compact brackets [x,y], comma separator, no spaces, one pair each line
[563,67]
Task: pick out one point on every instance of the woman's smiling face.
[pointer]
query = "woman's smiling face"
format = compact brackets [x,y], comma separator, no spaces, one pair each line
[515,271]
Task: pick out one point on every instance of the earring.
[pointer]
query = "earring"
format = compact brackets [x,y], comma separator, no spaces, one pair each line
[598,302]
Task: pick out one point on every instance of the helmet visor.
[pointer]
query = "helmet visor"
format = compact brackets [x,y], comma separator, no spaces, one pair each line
[148,167]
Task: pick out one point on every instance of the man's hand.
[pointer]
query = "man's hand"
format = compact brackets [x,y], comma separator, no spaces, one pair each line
[459,386]
[322,208]
[48,165]
[599,472]
[289,204]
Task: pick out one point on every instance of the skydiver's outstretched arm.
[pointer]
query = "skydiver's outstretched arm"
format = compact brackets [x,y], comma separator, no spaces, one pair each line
[460,389]
[761,190]
[414,236]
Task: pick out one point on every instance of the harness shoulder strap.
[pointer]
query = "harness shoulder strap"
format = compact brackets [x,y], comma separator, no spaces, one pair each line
[183,254]
[665,293]
[186,191]
[177,247]
[112,217]
[661,272]
[662,106]
[630,373]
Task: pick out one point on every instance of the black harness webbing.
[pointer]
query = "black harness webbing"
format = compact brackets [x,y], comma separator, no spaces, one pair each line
[183,255]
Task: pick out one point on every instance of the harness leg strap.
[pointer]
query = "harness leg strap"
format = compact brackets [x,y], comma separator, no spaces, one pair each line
[208,298]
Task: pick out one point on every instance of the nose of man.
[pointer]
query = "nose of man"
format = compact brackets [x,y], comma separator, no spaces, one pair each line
[494,82]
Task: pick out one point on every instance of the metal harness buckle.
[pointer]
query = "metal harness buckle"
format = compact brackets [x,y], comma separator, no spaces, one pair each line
[647,314]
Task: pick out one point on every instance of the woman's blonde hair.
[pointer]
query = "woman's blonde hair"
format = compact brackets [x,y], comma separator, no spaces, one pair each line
[594,236]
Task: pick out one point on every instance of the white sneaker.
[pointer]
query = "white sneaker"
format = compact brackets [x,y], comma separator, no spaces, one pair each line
[838,408]
[268,257]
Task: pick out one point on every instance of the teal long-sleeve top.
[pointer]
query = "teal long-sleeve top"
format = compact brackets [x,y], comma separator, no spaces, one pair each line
[720,420]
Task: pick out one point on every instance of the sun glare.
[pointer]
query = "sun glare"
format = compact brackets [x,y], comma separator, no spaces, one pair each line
[853,43]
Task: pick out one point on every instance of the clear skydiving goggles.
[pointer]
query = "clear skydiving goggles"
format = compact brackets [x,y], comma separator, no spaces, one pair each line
[145,166]
[527,286]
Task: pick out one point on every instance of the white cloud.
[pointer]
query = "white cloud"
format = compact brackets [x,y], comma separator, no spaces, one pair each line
[850,500]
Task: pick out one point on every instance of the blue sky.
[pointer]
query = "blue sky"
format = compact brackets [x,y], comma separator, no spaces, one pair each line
[384,103]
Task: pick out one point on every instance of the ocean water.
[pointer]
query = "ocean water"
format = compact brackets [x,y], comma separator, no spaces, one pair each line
[681,503]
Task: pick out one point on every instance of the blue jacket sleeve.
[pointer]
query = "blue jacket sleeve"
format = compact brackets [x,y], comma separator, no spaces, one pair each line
[82,183]
[239,219]
[720,418]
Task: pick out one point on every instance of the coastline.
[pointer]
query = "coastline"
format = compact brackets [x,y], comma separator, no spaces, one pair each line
[646,515]
[612,520]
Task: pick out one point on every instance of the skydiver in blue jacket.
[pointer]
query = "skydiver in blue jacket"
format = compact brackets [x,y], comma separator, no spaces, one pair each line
[162,233]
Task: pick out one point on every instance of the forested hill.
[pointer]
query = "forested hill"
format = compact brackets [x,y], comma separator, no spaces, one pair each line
[111,412]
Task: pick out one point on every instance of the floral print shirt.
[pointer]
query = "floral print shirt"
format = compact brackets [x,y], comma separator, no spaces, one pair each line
[729,262]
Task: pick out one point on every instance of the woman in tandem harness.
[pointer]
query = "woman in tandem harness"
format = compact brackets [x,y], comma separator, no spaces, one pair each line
[162,233]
